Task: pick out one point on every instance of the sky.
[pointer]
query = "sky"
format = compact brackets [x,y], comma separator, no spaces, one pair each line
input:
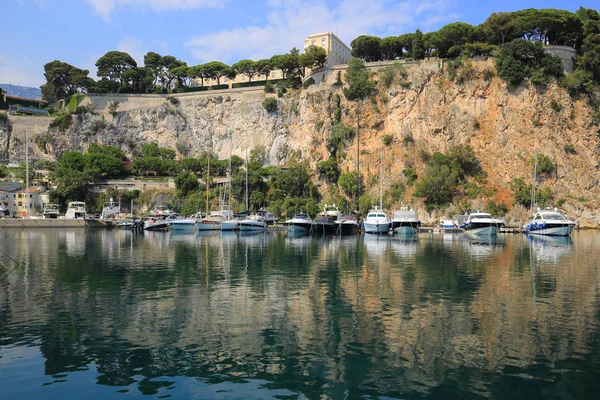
[197,31]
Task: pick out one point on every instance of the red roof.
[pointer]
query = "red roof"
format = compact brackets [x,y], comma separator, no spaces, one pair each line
[10,96]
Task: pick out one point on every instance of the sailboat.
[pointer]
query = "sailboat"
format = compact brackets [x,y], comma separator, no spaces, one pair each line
[228,223]
[377,221]
[212,220]
[548,222]
[253,222]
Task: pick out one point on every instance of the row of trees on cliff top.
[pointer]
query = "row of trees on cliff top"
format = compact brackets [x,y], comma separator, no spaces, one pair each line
[559,27]
[120,73]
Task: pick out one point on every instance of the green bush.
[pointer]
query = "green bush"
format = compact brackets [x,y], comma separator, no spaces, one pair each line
[496,209]
[387,140]
[411,175]
[329,170]
[522,59]
[318,125]
[555,106]
[570,148]
[476,124]
[308,82]
[269,87]
[560,202]
[521,191]
[545,165]
[112,107]
[270,104]
[3,116]
[62,121]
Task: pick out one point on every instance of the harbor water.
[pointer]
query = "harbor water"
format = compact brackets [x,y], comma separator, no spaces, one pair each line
[100,314]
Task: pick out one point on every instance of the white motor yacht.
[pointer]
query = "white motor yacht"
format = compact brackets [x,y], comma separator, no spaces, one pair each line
[377,221]
[110,209]
[550,222]
[51,211]
[301,223]
[178,223]
[75,210]
[480,223]
[267,216]
[253,223]
[405,222]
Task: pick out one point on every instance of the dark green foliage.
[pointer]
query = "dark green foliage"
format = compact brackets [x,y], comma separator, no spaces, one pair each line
[112,107]
[340,134]
[496,209]
[186,182]
[411,175]
[555,106]
[319,125]
[389,74]
[578,82]
[476,124]
[269,87]
[570,148]
[367,48]
[3,117]
[270,104]
[348,182]
[522,59]
[545,165]
[310,81]
[443,172]
[314,57]
[387,140]
[64,80]
[173,100]
[418,46]
[3,171]
[521,191]
[329,170]
[359,84]
[62,121]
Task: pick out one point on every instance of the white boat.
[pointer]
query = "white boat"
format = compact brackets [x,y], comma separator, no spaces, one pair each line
[266,215]
[253,223]
[480,223]
[300,223]
[160,212]
[51,211]
[211,223]
[110,209]
[75,210]
[405,222]
[376,221]
[182,224]
[549,222]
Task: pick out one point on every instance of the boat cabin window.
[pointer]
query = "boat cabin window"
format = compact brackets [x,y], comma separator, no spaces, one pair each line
[481,216]
[554,216]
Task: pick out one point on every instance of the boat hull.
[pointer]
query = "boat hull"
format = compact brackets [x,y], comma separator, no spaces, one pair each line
[159,226]
[299,227]
[483,230]
[406,231]
[183,225]
[323,227]
[377,228]
[208,226]
[349,228]
[229,225]
[549,230]
[252,226]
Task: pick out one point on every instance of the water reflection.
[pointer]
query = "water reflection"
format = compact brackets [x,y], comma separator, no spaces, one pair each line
[264,315]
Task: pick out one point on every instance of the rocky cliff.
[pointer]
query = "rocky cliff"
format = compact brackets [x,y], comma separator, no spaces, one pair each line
[427,110]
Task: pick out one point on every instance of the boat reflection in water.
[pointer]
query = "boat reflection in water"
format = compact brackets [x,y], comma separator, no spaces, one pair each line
[550,248]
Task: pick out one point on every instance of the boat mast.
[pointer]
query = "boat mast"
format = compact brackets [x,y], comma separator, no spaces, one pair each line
[247,209]
[533,194]
[381,182]
[229,194]
[358,155]
[207,181]
[28,203]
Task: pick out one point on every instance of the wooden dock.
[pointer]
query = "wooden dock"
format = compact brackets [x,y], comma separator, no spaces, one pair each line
[52,223]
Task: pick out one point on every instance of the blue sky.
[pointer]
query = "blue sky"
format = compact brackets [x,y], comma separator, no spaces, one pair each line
[196,31]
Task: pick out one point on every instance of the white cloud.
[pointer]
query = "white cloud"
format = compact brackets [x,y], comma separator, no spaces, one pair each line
[291,21]
[105,7]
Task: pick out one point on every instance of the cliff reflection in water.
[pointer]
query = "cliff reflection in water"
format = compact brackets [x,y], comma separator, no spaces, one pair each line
[437,315]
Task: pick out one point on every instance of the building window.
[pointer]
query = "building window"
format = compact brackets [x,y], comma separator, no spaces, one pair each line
[313,42]
[323,41]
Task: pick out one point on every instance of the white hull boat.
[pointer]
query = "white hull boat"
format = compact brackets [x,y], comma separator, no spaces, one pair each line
[377,221]
[254,223]
[230,225]
[208,225]
[480,224]
[184,224]
[301,223]
[550,223]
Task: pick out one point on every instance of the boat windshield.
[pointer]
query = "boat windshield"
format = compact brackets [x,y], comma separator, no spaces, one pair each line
[481,216]
[376,216]
[553,216]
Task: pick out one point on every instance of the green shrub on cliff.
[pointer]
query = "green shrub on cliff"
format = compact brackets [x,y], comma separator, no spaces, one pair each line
[522,59]
[270,104]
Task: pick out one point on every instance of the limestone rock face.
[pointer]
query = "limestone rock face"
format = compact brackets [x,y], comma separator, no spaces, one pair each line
[426,111]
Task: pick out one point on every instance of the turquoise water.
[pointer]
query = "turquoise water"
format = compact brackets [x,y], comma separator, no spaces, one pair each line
[115,314]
